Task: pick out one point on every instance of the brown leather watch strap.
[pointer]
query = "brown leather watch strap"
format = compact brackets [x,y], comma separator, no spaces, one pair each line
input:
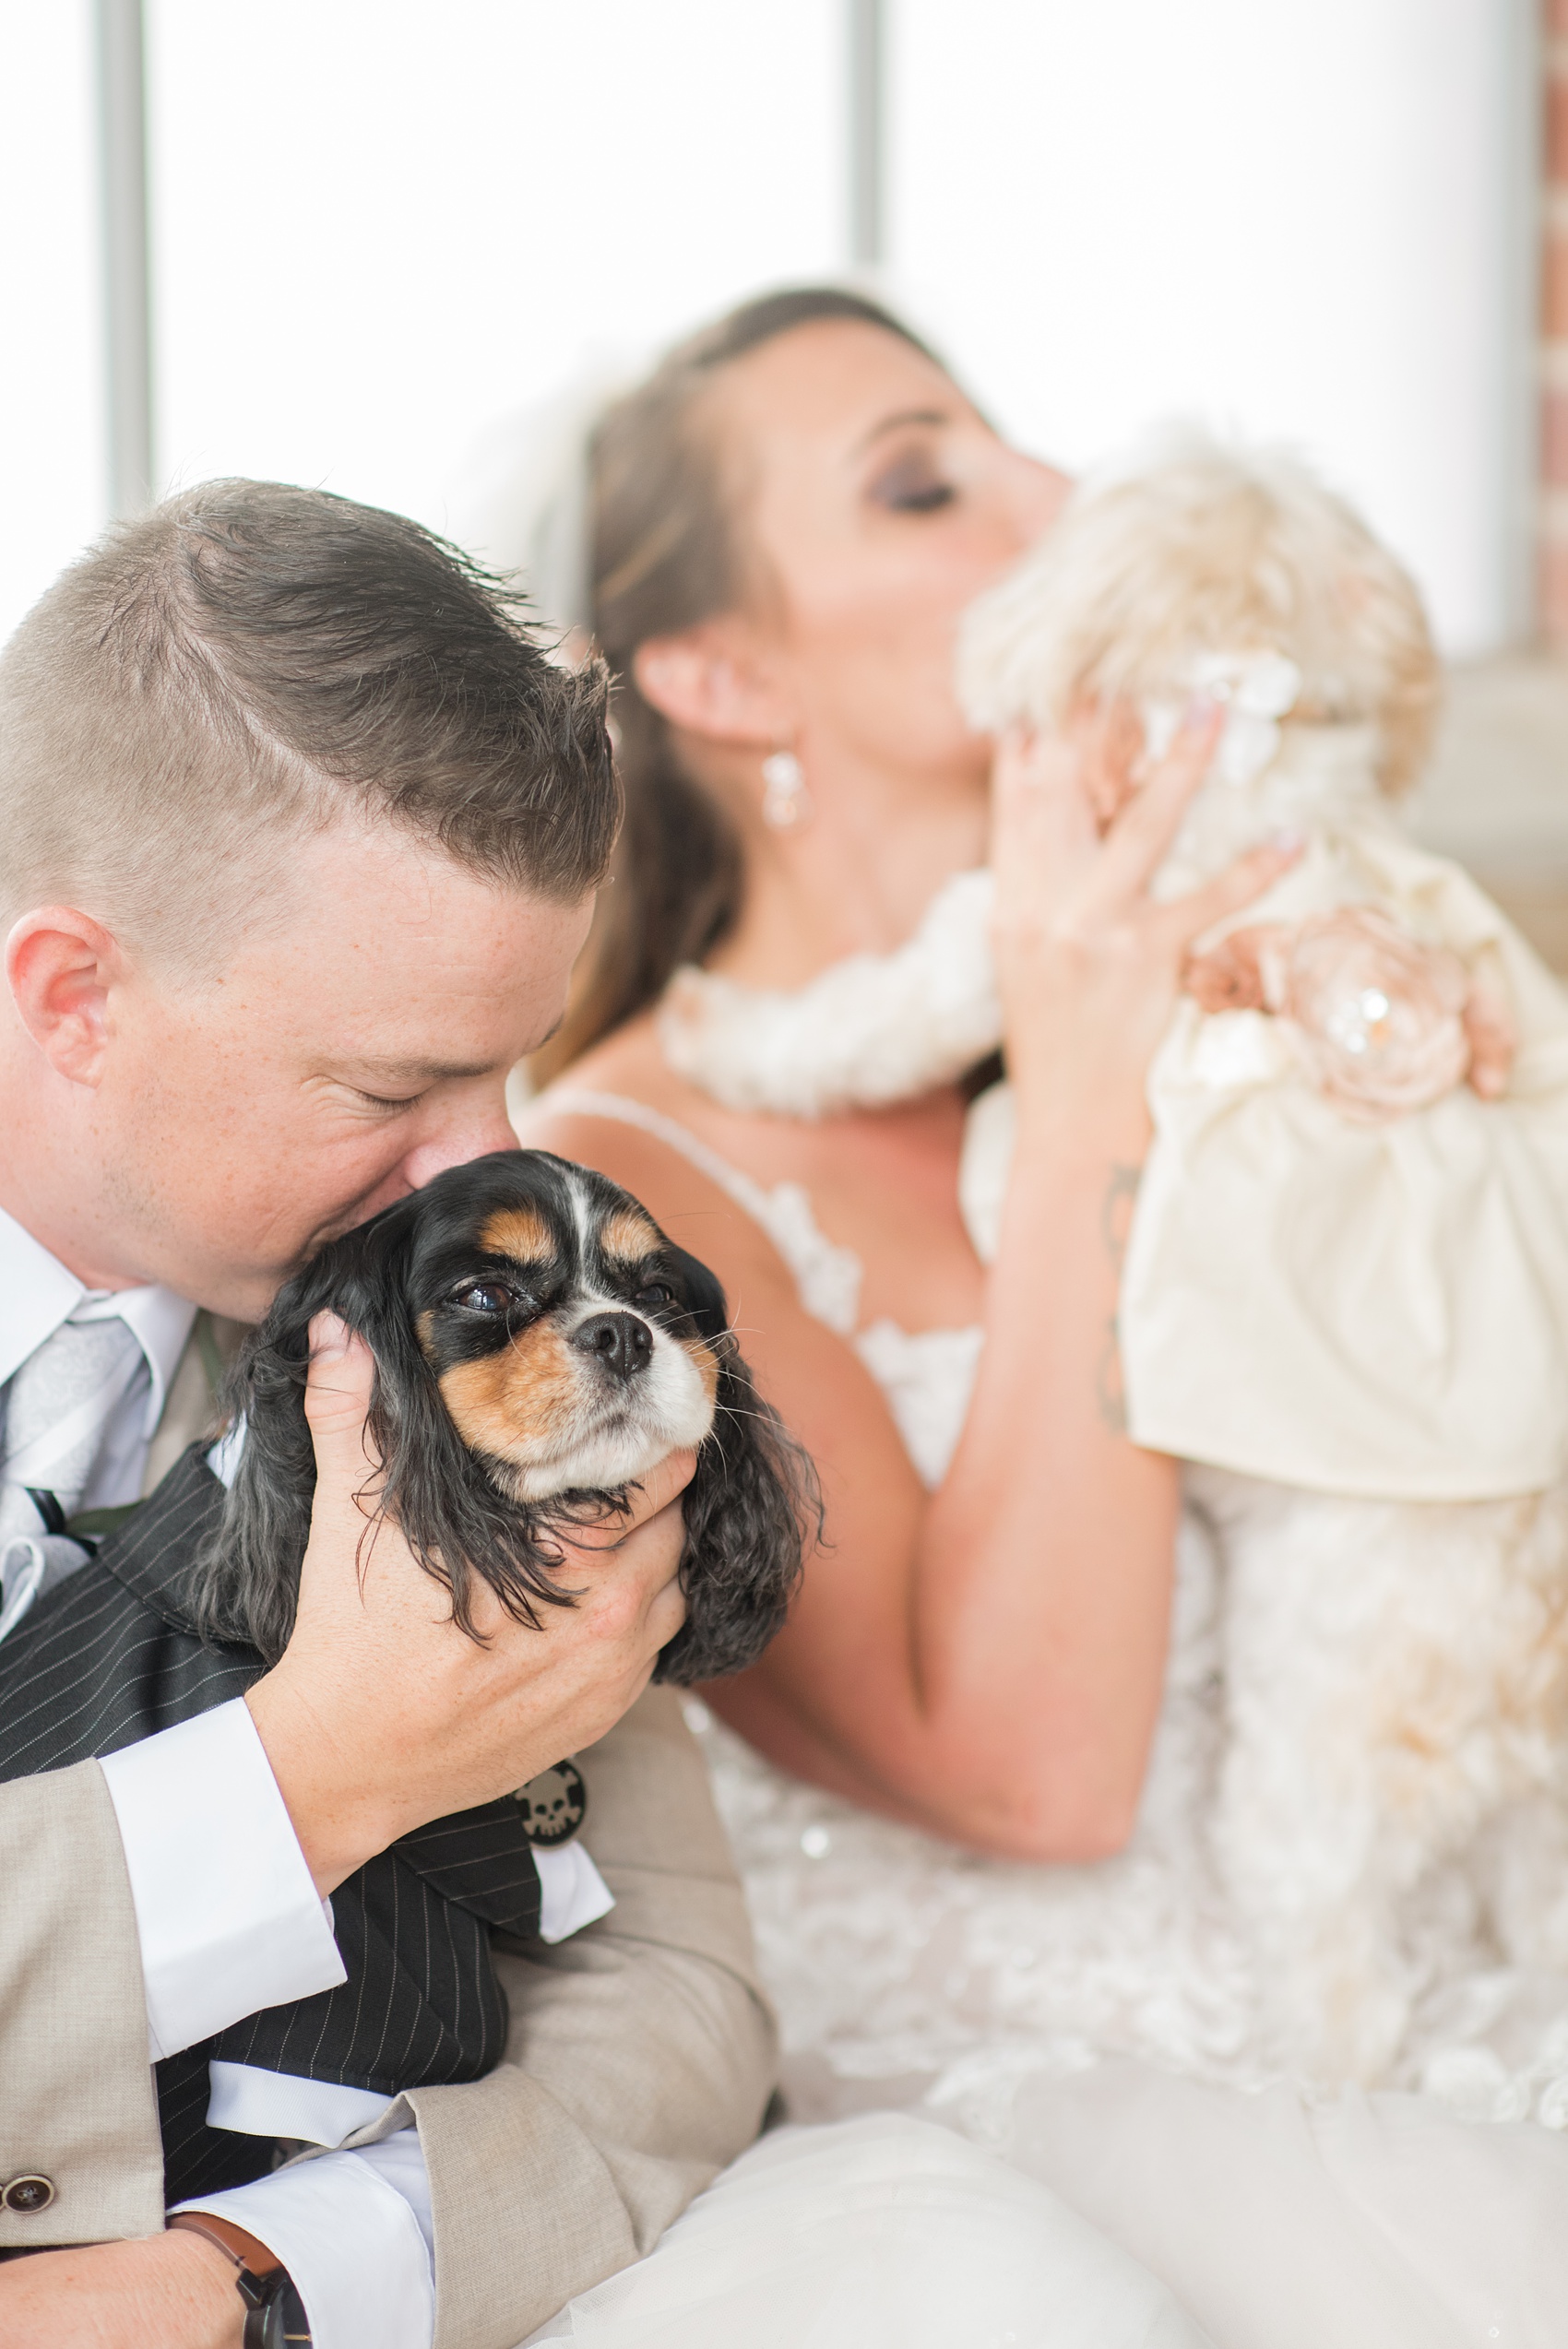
[275,2315]
[236,2245]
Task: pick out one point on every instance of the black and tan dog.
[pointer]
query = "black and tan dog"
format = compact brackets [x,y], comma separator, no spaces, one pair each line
[539,1344]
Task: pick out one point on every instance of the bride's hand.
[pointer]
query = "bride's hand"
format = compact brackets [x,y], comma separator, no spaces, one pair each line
[1088,964]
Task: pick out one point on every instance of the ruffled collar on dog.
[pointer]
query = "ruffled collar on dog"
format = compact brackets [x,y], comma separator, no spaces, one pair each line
[878,1029]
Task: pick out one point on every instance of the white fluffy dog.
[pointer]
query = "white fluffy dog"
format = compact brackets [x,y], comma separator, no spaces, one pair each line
[1344,1298]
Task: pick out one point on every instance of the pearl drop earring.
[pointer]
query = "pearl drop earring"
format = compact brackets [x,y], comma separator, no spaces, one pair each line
[786,802]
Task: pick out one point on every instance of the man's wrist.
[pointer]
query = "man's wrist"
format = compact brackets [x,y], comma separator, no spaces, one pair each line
[228,1916]
[352,2236]
[209,2288]
[166,2288]
[338,1823]
[274,2313]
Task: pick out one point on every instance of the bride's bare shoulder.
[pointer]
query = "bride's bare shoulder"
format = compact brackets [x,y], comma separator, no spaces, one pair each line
[622,1109]
[628,1070]
[627,1061]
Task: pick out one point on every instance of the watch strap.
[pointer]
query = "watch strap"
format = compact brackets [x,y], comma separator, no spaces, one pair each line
[274,2312]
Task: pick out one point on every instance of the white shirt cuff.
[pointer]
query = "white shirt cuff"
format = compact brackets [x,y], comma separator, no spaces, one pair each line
[229,1918]
[348,2227]
[256,2103]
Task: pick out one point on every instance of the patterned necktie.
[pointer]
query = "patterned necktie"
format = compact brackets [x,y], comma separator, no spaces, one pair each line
[58,1410]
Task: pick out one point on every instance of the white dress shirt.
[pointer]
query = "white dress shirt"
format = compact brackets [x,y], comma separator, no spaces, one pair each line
[227,1913]
[37,1294]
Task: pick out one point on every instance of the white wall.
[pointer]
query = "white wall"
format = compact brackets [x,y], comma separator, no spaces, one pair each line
[378,223]
[53,471]
[1297,216]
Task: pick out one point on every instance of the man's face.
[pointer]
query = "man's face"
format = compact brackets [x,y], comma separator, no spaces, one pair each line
[335,1065]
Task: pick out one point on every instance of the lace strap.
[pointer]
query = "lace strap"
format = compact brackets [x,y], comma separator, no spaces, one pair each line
[826,1276]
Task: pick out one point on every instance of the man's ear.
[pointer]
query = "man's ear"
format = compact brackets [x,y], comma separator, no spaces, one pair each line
[61,964]
[713,681]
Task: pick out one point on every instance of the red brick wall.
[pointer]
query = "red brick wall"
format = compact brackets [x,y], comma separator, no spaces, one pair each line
[1554,337]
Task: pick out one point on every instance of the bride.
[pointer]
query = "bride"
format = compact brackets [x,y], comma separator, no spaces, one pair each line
[967,1786]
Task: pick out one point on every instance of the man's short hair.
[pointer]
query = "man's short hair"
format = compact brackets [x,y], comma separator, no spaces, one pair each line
[248,663]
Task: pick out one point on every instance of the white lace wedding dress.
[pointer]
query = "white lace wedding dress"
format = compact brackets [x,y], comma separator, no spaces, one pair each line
[1094,2026]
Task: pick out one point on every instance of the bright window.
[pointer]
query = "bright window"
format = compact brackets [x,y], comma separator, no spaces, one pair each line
[377,226]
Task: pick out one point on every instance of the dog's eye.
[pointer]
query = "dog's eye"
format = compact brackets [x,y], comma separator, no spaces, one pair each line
[486,1297]
[655,1296]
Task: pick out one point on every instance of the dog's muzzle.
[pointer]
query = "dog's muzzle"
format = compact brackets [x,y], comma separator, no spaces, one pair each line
[620,1343]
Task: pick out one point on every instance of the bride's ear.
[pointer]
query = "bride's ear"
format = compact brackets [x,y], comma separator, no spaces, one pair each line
[708,681]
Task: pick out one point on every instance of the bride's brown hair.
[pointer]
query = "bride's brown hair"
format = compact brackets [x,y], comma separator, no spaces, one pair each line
[664,554]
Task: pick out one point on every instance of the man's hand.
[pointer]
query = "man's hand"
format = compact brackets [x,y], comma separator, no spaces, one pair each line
[381,1713]
[172,2289]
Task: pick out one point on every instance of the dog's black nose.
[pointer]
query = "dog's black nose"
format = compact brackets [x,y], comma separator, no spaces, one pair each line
[622,1343]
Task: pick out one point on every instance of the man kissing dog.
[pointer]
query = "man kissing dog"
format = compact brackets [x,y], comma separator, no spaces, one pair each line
[299,832]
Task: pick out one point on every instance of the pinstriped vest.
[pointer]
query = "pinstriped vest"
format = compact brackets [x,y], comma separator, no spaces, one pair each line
[108,1660]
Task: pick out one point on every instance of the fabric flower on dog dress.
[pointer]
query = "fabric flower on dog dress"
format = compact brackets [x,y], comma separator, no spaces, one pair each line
[1375,1016]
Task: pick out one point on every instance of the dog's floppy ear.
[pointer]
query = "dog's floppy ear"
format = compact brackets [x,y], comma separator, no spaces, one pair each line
[245,1586]
[749,1508]
[701,1293]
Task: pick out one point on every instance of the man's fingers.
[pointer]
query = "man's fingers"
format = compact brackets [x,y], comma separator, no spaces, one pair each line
[663,1484]
[1237,886]
[338,1391]
[341,1374]
[648,1498]
[666,1613]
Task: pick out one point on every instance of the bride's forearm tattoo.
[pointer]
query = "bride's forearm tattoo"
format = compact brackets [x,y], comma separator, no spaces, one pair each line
[1116,1211]
[1115,1223]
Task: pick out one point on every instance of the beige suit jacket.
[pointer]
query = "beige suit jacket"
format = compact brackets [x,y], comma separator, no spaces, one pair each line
[640,2055]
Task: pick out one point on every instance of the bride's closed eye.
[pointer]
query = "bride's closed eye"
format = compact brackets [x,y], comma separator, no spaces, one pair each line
[912,483]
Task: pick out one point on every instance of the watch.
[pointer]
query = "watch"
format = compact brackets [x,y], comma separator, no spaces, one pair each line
[275,2315]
